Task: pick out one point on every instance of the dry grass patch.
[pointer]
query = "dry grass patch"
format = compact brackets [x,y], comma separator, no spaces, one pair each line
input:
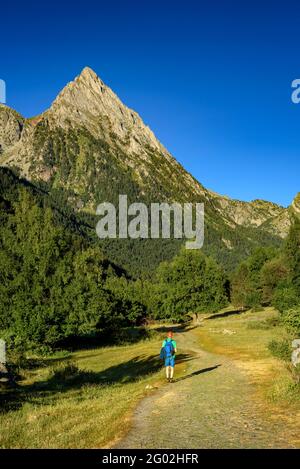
[244,337]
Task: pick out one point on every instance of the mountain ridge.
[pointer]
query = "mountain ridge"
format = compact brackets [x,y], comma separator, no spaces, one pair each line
[93,147]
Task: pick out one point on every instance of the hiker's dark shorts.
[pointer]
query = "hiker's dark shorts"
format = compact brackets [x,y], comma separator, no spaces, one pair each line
[170,361]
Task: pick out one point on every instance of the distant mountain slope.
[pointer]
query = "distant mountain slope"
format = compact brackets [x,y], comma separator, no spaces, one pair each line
[90,148]
[295,207]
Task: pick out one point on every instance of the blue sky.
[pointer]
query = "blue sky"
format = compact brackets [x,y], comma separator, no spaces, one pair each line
[212,79]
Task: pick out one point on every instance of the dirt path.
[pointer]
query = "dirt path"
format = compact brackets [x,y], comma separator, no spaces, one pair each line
[212,406]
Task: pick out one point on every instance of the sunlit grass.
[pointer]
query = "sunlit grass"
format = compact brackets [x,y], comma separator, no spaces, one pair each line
[244,337]
[67,414]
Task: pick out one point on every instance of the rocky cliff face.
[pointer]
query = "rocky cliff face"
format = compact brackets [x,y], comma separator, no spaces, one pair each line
[92,146]
[258,213]
[11,127]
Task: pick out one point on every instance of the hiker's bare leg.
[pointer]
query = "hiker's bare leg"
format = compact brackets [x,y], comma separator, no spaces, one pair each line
[171,371]
[168,371]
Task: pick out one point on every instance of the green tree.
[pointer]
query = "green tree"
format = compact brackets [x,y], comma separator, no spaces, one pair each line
[273,273]
[241,286]
[292,253]
[53,285]
[191,283]
[246,286]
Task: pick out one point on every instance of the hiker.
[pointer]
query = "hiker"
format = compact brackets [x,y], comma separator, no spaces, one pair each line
[168,354]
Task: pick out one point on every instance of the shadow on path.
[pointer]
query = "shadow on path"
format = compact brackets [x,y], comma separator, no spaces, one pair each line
[199,372]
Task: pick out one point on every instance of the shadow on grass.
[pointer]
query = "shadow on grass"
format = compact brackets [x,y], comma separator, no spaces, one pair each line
[177,329]
[225,314]
[67,376]
[122,336]
[196,373]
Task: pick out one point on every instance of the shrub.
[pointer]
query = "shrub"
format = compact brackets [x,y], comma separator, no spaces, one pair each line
[263,325]
[253,300]
[273,321]
[285,390]
[281,349]
[64,371]
[291,320]
[285,297]
[258,325]
[128,335]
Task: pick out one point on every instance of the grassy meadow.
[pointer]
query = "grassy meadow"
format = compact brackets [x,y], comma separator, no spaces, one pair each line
[83,400]
[245,337]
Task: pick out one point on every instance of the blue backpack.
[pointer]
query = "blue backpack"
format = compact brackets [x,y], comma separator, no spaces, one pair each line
[168,350]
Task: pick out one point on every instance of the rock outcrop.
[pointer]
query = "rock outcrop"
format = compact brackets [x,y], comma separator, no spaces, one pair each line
[11,126]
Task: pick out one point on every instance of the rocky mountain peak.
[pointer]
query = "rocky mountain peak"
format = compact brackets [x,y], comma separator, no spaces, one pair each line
[83,94]
[85,83]
[88,73]
[88,102]
[90,144]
